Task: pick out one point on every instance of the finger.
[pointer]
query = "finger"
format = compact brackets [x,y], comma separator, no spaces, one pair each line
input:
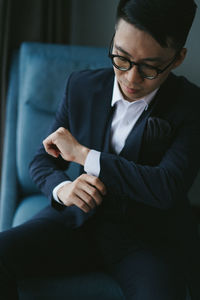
[74,199]
[81,204]
[53,150]
[63,131]
[87,198]
[50,147]
[96,182]
[88,188]
[93,192]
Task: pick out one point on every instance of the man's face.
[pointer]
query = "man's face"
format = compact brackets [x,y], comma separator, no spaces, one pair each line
[141,47]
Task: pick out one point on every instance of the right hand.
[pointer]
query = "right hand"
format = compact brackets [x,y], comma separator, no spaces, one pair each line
[86,192]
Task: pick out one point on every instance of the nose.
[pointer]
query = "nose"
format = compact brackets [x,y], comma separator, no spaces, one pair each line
[133,76]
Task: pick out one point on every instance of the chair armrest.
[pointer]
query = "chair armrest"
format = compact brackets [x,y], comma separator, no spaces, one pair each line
[9,184]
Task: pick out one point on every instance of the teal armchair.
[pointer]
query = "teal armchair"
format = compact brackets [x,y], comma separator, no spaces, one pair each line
[36,86]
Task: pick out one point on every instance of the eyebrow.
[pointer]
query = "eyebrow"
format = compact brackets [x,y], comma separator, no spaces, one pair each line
[150,59]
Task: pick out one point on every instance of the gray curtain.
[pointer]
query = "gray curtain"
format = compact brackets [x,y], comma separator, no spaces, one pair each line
[28,20]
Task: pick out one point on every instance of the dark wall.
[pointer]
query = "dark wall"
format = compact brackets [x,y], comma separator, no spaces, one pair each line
[191,65]
[93,21]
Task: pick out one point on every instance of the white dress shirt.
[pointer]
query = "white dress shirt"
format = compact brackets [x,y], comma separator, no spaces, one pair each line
[125,117]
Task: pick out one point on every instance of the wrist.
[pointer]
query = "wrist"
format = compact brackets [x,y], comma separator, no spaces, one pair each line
[82,154]
[59,194]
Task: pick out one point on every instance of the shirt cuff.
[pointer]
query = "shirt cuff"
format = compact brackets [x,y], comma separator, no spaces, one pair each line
[55,190]
[92,163]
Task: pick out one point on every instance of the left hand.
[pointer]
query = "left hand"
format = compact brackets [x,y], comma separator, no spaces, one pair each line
[85,192]
[61,142]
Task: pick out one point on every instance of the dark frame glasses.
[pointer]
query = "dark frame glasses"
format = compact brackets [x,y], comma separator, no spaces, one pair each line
[144,70]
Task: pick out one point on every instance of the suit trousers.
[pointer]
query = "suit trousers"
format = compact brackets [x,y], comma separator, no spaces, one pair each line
[45,246]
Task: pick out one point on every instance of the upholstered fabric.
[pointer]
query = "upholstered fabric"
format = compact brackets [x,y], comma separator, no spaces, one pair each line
[37,81]
[28,207]
[9,179]
[91,286]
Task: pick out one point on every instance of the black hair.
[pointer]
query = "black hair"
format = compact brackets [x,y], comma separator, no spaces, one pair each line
[167,21]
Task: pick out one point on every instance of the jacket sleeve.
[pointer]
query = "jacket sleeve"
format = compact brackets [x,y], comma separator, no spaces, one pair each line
[162,185]
[47,172]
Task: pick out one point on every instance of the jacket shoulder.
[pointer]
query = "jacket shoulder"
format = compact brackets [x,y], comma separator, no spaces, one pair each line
[182,95]
[91,76]
[186,88]
[188,100]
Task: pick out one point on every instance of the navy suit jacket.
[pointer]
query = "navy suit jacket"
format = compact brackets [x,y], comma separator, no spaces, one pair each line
[148,181]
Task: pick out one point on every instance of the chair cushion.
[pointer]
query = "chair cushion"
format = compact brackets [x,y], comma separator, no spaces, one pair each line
[91,286]
[28,207]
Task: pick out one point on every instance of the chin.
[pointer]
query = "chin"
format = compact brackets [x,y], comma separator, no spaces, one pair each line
[132,98]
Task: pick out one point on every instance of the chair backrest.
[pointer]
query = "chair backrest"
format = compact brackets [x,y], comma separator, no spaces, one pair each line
[43,71]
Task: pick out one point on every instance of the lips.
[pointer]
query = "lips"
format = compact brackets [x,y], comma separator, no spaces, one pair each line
[131,90]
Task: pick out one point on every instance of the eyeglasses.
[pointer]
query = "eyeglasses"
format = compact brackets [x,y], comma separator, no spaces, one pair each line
[146,71]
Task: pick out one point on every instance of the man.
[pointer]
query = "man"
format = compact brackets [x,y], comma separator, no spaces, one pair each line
[136,134]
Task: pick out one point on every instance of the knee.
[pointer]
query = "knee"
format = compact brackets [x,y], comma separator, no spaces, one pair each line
[149,277]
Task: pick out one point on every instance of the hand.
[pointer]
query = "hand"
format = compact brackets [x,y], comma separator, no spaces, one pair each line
[85,192]
[61,142]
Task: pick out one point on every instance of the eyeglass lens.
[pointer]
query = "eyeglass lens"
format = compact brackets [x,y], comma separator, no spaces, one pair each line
[124,64]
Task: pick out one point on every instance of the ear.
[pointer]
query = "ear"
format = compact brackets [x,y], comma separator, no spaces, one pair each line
[180,58]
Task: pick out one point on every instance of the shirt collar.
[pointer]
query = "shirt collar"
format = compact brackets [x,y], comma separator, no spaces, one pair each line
[117,95]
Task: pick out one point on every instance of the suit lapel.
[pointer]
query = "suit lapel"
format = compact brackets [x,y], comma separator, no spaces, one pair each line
[101,115]
[133,142]
[106,144]
[132,146]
